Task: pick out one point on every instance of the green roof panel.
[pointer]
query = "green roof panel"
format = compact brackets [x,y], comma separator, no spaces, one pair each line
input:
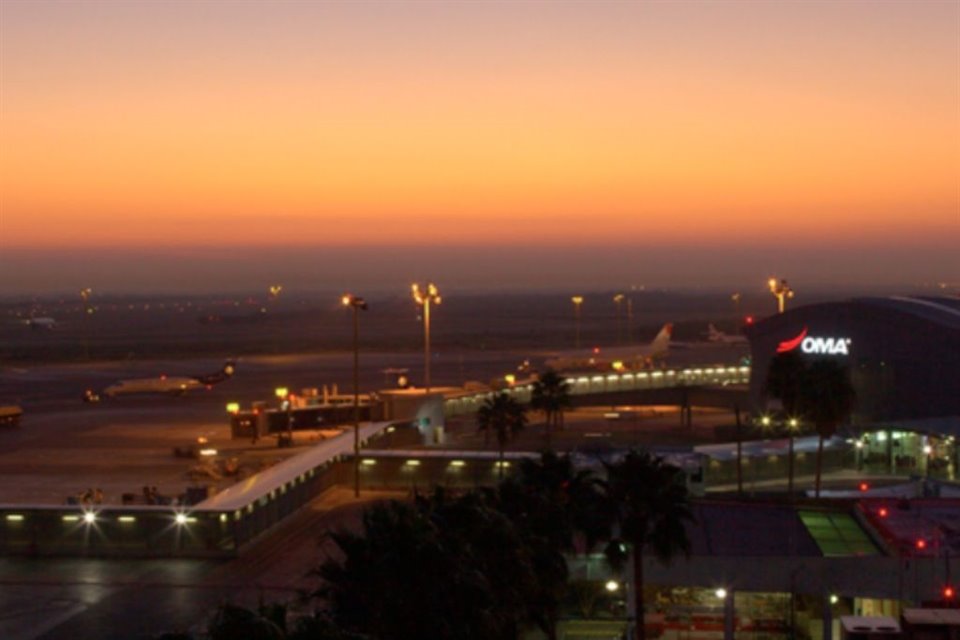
[838,534]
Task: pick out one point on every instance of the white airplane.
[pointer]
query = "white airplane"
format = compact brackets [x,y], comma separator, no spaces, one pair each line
[41,324]
[715,335]
[614,359]
[163,385]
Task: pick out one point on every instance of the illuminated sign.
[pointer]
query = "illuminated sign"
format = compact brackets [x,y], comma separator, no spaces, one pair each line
[817,345]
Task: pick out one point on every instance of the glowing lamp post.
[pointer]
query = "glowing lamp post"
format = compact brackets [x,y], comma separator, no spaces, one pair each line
[357,304]
[284,396]
[85,294]
[424,298]
[793,427]
[577,301]
[781,291]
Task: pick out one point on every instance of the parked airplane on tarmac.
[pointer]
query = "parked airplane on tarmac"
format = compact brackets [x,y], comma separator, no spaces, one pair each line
[164,385]
[615,359]
[715,335]
[41,324]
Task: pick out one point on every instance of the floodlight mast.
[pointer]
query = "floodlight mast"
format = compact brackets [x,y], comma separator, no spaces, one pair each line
[426,297]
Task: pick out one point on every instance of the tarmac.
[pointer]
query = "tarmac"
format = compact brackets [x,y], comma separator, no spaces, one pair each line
[103,599]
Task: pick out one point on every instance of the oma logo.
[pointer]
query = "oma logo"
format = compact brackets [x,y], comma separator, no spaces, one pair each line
[826,346]
[816,345]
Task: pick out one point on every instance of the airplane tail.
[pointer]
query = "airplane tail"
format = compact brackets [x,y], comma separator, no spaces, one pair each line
[225,372]
[712,332]
[661,343]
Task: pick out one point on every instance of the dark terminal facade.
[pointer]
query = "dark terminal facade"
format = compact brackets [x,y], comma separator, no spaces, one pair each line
[903,354]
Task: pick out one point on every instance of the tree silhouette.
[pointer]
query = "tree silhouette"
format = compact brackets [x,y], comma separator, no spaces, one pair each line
[443,568]
[551,395]
[785,379]
[826,400]
[556,508]
[505,417]
[647,505]
[239,623]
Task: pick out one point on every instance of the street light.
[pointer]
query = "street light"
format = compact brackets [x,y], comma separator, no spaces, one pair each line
[283,396]
[781,291]
[431,295]
[577,301]
[358,304]
[793,427]
[85,294]
[618,300]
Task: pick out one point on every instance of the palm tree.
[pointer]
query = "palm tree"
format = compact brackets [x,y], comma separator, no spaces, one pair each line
[646,502]
[566,500]
[503,415]
[826,399]
[784,382]
[235,623]
[551,394]
[555,508]
[423,570]
[785,379]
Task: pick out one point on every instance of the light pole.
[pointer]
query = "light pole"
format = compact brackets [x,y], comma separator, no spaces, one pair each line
[430,295]
[793,426]
[273,294]
[577,301]
[618,300]
[358,304]
[85,294]
[283,396]
[781,291]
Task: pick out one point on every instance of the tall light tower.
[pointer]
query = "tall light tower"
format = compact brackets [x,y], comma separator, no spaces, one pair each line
[85,294]
[577,301]
[357,304]
[618,300]
[430,295]
[781,291]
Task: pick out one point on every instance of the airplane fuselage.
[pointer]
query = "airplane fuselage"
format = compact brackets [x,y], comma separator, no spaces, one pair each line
[616,359]
[161,385]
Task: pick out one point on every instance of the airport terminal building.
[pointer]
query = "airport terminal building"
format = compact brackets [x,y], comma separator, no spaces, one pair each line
[903,354]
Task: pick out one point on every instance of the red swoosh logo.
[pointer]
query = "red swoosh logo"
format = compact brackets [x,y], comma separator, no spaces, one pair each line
[790,345]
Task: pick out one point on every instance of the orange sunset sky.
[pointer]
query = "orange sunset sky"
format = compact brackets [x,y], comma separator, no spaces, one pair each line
[830,130]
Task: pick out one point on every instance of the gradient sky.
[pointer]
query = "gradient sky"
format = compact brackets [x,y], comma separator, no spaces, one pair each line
[693,141]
